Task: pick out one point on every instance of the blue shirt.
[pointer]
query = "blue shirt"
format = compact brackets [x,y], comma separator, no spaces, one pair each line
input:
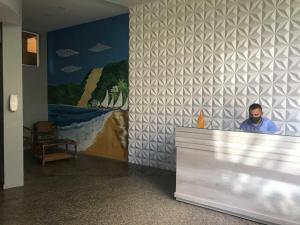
[265,126]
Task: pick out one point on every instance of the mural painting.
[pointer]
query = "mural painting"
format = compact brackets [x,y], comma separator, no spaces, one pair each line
[88,86]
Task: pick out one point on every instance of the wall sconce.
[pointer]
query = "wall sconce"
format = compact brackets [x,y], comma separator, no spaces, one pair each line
[32,45]
[30,48]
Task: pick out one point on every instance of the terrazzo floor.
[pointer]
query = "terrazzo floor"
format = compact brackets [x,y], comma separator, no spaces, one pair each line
[91,190]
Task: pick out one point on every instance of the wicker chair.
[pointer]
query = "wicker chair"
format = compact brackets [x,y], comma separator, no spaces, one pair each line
[46,145]
[43,132]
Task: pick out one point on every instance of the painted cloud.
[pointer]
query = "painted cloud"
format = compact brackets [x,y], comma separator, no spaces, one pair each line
[99,47]
[70,69]
[66,52]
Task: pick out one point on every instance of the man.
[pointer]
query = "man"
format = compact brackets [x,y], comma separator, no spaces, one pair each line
[257,123]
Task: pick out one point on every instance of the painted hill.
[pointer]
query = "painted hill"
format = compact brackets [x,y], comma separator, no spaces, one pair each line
[90,86]
[93,86]
[66,94]
[114,74]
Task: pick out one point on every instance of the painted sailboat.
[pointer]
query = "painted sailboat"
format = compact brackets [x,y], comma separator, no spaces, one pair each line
[95,103]
[105,102]
[118,103]
[125,106]
[111,104]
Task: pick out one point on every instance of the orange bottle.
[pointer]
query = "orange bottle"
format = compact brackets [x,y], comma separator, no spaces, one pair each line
[201,120]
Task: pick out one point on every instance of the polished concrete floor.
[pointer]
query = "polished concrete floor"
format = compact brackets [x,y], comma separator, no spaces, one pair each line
[91,190]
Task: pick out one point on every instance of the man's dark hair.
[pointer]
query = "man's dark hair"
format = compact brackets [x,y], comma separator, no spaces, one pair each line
[255,106]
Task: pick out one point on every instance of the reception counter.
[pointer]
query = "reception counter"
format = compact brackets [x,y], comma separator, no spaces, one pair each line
[255,176]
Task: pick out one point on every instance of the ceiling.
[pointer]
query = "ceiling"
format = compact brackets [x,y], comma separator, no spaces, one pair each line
[43,15]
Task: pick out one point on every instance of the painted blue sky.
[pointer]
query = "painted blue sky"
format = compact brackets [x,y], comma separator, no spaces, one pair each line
[74,51]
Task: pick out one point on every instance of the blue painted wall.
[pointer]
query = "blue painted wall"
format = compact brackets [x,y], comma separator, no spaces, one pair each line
[78,52]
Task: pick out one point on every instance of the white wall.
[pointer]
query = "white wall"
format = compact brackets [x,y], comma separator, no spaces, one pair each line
[13,121]
[35,88]
[11,11]
[215,55]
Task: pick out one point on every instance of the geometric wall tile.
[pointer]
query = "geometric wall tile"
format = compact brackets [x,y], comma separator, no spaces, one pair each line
[218,56]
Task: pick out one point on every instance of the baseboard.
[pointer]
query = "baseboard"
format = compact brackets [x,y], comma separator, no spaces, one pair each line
[231,210]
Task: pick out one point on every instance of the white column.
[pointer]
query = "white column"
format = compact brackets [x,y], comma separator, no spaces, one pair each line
[12,121]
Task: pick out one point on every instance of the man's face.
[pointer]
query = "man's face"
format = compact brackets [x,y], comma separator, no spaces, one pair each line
[255,115]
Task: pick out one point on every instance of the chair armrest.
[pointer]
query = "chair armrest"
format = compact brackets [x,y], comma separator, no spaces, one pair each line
[27,129]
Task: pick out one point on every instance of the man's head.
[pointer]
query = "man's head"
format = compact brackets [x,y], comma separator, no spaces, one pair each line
[255,113]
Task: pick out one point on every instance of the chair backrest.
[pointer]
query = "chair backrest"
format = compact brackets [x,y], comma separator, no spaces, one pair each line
[43,127]
[44,131]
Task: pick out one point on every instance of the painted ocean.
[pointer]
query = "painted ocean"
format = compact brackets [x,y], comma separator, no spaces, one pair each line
[64,115]
[76,123]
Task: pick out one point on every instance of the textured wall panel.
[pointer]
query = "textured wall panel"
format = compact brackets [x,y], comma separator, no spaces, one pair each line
[216,55]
